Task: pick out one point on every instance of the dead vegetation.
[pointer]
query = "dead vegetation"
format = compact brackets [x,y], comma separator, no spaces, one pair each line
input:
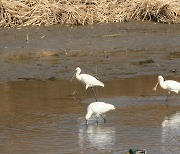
[81,12]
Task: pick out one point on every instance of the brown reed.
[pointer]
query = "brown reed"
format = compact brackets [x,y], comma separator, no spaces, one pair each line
[81,12]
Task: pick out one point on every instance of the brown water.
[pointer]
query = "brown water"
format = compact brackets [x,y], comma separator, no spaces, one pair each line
[43,117]
[39,112]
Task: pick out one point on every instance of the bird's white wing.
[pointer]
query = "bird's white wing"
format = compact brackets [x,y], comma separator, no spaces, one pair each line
[99,107]
[90,80]
[173,85]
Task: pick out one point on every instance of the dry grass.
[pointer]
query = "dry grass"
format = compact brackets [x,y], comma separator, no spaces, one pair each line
[16,57]
[45,53]
[81,12]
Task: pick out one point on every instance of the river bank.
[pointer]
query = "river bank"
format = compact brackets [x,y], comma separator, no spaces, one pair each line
[114,50]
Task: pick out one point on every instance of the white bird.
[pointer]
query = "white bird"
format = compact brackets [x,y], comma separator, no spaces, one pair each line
[88,80]
[98,108]
[169,85]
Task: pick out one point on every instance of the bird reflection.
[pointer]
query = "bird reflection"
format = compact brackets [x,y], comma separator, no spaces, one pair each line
[171,133]
[97,137]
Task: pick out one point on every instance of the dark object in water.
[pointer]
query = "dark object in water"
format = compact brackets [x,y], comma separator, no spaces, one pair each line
[24,78]
[136,151]
[173,70]
[146,61]
[52,78]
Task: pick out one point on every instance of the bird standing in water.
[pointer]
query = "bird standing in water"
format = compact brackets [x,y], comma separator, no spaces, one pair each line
[88,80]
[98,108]
[136,151]
[169,85]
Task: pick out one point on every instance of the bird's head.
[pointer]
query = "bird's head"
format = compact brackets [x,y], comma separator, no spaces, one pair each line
[88,115]
[78,69]
[160,78]
[111,107]
[136,151]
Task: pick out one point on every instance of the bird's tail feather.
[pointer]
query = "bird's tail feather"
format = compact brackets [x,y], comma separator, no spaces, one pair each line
[101,84]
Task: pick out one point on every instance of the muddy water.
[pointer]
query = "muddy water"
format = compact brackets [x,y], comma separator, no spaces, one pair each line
[39,112]
[44,117]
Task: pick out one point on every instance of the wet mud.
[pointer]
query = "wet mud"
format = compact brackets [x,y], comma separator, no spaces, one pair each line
[107,50]
[40,112]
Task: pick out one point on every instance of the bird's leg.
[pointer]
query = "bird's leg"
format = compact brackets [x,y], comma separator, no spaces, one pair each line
[94,93]
[167,98]
[97,120]
[166,101]
[103,118]
[86,123]
[82,96]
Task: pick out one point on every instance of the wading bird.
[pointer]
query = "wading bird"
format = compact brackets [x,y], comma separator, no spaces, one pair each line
[88,80]
[136,151]
[98,108]
[169,85]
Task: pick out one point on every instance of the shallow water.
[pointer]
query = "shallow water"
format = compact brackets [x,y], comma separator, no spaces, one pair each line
[39,111]
[44,117]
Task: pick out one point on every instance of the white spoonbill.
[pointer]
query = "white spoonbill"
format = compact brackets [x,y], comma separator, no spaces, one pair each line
[169,85]
[88,80]
[98,108]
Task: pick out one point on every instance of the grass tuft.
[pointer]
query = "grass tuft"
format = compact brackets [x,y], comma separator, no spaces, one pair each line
[82,12]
